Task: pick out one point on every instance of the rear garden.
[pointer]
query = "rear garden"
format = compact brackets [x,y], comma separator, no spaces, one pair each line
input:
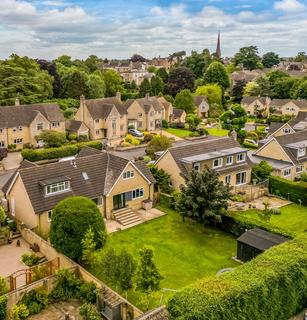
[183,252]
[185,132]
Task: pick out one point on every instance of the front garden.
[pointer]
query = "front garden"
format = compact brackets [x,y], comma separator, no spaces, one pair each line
[183,252]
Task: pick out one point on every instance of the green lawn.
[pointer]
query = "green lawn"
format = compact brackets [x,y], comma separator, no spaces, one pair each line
[217,132]
[184,251]
[181,133]
[293,218]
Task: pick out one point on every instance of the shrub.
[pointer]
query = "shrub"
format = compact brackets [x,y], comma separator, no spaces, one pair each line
[18,312]
[259,290]
[194,134]
[30,259]
[165,124]
[3,304]
[72,136]
[303,176]
[3,153]
[294,191]
[11,146]
[55,153]
[52,138]
[35,300]
[71,218]
[180,125]
[261,171]
[83,138]
[158,143]
[2,216]
[148,137]
[249,145]
[89,312]
[3,286]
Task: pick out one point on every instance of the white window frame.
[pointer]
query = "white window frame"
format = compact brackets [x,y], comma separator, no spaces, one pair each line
[241,160]
[137,193]
[18,141]
[196,166]
[229,163]
[57,188]
[228,177]
[301,151]
[299,169]
[286,172]
[55,124]
[220,163]
[49,215]
[40,126]
[241,183]
[128,175]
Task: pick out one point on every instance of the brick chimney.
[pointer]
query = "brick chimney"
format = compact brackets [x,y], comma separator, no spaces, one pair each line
[82,106]
[147,96]
[17,102]
[234,135]
[118,96]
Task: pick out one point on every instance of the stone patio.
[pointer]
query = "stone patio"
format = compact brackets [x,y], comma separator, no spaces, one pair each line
[258,203]
[113,226]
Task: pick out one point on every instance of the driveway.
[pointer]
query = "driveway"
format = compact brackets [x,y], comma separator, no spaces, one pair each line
[12,161]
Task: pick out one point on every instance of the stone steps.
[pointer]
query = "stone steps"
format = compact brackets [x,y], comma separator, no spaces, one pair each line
[126,216]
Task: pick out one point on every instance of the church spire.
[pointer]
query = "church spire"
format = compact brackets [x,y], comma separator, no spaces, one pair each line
[218,52]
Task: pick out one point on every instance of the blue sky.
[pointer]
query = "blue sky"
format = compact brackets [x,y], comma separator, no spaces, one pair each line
[117,28]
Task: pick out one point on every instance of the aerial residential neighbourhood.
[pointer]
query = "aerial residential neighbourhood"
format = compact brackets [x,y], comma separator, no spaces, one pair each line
[153,160]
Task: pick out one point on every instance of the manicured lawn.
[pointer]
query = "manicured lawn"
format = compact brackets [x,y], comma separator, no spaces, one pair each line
[184,251]
[181,133]
[293,218]
[217,132]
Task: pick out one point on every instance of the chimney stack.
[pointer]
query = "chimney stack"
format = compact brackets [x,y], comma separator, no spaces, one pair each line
[147,96]
[118,96]
[17,102]
[82,99]
[234,135]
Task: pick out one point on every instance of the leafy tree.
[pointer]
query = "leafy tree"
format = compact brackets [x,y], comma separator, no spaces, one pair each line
[248,57]
[157,85]
[301,56]
[137,58]
[216,73]
[163,179]
[251,89]
[193,121]
[148,276]
[76,85]
[198,62]
[158,143]
[213,92]
[65,60]
[95,86]
[204,197]
[52,138]
[237,90]
[235,118]
[301,91]
[270,59]
[2,216]
[22,77]
[145,88]
[184,100]
[3,286]
[180,78]
[152,69]
[109,266]
[88,246]
[92,63]
[177,56]
[283,87]
[261,171]
[113,82]
[71,219]
[162,73]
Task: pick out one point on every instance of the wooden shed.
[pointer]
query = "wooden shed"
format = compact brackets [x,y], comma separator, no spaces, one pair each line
[255,241]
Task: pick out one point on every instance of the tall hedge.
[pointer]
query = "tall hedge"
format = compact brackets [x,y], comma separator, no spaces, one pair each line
[60,152]
[271,286]
[294,191]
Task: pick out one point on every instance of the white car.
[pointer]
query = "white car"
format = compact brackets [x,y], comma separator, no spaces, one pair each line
[135,133]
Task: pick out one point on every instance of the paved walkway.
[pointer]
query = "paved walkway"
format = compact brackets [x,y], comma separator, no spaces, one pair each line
[170,135]
[258,203]
[12,161]
[113,226]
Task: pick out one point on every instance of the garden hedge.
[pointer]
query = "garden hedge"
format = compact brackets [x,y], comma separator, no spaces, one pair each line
[3,303]
[55,153]
[294,191]
[271,286]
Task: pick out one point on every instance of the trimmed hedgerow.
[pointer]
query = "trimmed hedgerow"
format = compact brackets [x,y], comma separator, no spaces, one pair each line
[271,286]
[3,304]
[294,191]
[55,153]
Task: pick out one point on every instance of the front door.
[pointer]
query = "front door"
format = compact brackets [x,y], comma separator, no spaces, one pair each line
[119,201]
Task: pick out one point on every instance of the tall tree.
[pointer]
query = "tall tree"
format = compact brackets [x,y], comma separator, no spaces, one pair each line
[216,73]
[212,91]
[184,100]
[145,88]
[248,57]
[198,62]
[180,78]
[65,60]
[75,84]
[204,197]
[237,90]
[162,73]
[137,58]
[270,59]
[95,86]
[113,82]
[157,85]
[92,63]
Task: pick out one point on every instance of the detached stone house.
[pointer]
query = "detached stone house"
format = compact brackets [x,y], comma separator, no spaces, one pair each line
[288,106]
[299,123]
[287,154]
[20,124]
[106,118]
[202,106]
[225,155]
[115,184]
[168,109]
[145,113]
[254,105]
[179,115]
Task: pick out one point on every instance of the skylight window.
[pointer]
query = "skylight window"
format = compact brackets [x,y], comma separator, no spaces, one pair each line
[85,176]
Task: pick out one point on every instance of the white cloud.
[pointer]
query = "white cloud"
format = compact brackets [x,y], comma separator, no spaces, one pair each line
[289,5]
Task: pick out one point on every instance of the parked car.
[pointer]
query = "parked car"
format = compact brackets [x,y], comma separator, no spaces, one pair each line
[251,142]
[135,133]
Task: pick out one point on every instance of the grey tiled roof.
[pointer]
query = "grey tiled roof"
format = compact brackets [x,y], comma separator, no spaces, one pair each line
[302,104]
[199,99]
[275,126]
[251,99]
[73,125]
[177,113]
[13,116]
[146,103]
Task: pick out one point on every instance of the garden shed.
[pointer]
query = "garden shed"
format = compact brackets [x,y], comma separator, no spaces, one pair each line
[255,241]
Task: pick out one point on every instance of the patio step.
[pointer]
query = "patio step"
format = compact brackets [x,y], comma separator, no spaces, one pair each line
[126,216]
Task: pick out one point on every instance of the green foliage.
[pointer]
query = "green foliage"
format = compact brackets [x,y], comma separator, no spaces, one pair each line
[55,153]
[158,143]
[198,62]
[95,86]
[132,140]
[2,216]
[3,286]
[184,100]
[148,276]
[235,118]
[88,246]
[162,73]
[52,138]
[71,219]
[18,312]
[89,312]
[213,92]
[278,118]
[35,300]
[193,121]
[216,73]
[261,171]
[204,197]
[157,85]
[30,259]
[237,90]
[180,78]
[3,304]
[293,191]
[145,88]
[163,179]
[113,82]
[303,177]
[260,289]
[270,59]
[248,57]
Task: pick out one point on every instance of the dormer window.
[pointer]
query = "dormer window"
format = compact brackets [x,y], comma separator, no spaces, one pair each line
[128,175]
[286,130]
[217,163]
[301,151]
[241,157]
[229,160]
[58,187]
